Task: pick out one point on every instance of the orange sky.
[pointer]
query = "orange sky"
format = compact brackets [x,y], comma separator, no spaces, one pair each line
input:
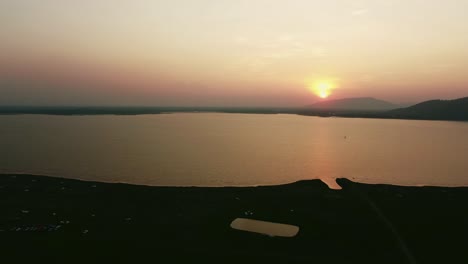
[230,53]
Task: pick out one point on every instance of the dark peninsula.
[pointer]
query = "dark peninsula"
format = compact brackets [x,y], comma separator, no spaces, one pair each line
[55,220]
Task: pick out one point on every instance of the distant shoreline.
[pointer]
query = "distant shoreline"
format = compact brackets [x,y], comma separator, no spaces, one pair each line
[133,111]
[443,110]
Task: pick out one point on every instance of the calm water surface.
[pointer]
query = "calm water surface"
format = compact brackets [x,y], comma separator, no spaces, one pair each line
[212,149]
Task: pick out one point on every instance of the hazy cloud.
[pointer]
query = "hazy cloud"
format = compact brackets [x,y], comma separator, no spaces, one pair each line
[360,12]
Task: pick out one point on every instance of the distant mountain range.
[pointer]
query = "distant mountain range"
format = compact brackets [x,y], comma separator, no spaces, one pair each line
[354,104]
[351,107]
[435,110]
[370,107]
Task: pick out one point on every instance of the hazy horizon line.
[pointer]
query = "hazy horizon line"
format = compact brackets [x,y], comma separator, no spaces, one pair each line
[209,106]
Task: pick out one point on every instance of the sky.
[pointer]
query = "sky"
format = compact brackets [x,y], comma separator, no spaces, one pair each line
[230,52]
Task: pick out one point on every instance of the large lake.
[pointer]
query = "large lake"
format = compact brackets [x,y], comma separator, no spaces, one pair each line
[211,149]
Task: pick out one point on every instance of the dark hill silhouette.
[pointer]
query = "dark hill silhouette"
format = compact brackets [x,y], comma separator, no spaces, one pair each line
[352,107]
[435,110]
[354,104]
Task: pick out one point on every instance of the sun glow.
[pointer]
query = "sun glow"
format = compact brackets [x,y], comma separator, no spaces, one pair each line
[322,88]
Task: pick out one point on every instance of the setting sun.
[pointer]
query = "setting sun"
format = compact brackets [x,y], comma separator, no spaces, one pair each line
[322,88]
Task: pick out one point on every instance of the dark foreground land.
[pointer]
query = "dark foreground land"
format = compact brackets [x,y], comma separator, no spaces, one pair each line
[52,220]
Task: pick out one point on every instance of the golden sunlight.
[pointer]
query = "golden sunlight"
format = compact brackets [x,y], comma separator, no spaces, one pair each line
[322,88]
